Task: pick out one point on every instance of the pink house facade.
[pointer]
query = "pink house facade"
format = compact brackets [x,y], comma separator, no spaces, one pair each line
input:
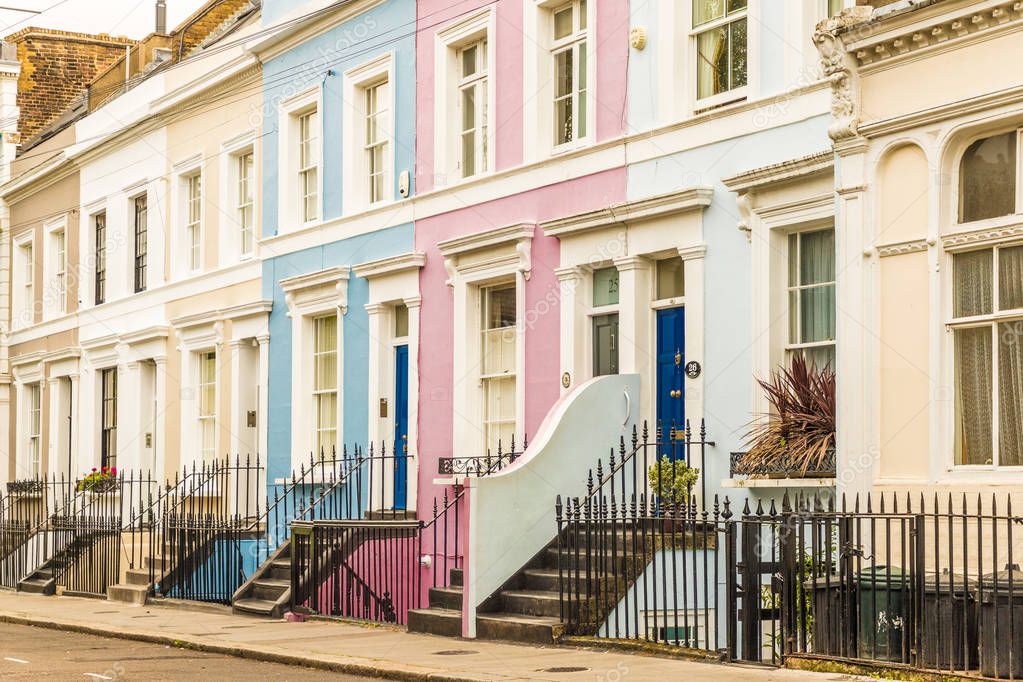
[509,110]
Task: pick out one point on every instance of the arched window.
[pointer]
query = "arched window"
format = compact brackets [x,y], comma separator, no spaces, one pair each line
[987,178]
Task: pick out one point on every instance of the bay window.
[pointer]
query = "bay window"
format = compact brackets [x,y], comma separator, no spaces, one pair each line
[987,341]
[570,72]
[720,28]
[498,343]
[325,384]
[811,292]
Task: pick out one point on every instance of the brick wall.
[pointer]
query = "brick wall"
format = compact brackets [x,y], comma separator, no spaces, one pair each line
[55,68]
[210,17]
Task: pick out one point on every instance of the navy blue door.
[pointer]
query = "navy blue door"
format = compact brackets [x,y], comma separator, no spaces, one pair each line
[400,427]
[671,350]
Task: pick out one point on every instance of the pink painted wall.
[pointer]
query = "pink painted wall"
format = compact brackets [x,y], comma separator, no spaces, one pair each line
[612,53]
[436,358]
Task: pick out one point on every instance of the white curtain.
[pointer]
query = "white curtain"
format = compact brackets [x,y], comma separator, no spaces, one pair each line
[1010,278]
[974,273]
[1010,393]
[973,395]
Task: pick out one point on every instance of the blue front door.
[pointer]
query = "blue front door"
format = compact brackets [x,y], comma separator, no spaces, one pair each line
[671,358]
[400,427]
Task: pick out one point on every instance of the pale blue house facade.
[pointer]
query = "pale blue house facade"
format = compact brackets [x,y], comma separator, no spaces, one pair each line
[338,155]
[736,107]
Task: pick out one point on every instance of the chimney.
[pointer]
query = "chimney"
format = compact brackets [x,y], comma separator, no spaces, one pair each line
[161,16]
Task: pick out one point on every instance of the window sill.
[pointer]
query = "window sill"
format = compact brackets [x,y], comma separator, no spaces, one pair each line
[749,483]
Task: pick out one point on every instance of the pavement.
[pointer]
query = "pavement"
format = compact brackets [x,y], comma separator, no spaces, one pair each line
[30,653]
[360,649]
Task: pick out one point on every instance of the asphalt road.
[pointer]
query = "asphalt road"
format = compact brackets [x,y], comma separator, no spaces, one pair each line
[44,654]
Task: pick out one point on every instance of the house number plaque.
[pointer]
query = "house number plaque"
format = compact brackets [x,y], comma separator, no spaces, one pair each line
[693,369]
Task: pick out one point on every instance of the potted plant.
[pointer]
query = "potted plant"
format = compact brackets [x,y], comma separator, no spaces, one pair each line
[99,480]
[796,438]
[670,481]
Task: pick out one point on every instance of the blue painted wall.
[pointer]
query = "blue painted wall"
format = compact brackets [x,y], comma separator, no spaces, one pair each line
[321,62]
[355,336]
[728,333]
[389,27]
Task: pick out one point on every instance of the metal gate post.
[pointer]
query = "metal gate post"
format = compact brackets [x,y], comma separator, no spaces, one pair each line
[731,589]
[749,567]
[789,579]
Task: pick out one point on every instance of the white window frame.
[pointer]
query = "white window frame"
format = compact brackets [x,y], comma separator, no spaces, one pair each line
[183,259]
[594,311]
[23,298]
[539,77]
[89,240]
[476,28]
[55,266]
[290,204]
[992,321]
[232,240]
[735,94]
[792,347]
[488,381]
[317,394]
[193,184]
[308,297]
[577,43]
[206,419]
[356,82]
[509,258]
[957,181]
[308,143]
[131,226]
[34,424]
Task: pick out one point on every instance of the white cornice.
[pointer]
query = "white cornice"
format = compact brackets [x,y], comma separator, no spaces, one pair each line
[149,334]
[887,39]
[781,172]
[689,199]
[508,234]
[38,178]
[314,279]
[223,314]
[315,290]
[390,266]
[983,236]
[902,248]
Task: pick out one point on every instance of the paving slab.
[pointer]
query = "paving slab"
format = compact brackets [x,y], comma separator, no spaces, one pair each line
[371,650]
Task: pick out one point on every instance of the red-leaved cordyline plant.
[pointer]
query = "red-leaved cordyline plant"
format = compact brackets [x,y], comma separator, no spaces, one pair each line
[799,431]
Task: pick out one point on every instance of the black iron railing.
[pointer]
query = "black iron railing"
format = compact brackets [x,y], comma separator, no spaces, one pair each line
[483,465]
[374,569]
[883,580]
[739,466]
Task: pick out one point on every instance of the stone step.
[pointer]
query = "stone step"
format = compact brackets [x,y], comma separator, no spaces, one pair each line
[446,598]
[515,627]
[270,589]
[128,594]
[455,577]
[34,585]
[443,622]
[279,569]
[257,607]
[543,579]
[604,562]
[531,603]
[139,576]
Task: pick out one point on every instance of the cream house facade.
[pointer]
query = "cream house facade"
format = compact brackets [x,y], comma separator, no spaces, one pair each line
[929,241]
[134,364]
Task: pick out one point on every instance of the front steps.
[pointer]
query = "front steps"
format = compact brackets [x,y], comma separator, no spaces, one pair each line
[267,594]
[40,582]
[526,611]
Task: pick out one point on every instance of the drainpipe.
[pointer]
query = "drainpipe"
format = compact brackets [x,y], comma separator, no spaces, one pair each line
[161,16]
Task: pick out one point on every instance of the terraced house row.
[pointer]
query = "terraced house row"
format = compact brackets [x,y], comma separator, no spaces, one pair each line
[485,317]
